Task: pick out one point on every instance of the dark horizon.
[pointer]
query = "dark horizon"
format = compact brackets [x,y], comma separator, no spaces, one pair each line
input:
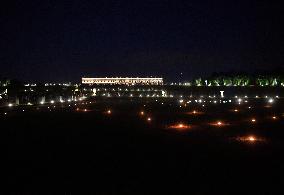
[63,41]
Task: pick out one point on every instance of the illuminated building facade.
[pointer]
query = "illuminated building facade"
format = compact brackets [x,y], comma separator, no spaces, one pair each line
[123,81]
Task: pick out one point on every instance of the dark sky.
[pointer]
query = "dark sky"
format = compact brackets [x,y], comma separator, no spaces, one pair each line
[49,40]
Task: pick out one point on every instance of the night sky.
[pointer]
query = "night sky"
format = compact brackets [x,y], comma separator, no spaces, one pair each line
[64,40]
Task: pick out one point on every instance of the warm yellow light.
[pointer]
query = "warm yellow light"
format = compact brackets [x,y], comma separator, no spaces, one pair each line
[149,119]
[109,111]
[195,112]
[141,113]
[251,138]
[274,117]
[253,120]
[219,123]
[179,126]
[236,110]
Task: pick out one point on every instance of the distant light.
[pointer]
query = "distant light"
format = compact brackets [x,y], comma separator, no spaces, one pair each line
[251,138]
[142,113]
[274,117]
[270,100]
[23,110]
[85,110]
[219,124]
[179,126]
[149,119]
[52,101]
[10,105]
[42,102]
[253,120]
[109,111]
[5,113]
[236,110]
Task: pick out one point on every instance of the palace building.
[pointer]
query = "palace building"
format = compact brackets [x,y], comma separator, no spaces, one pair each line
[123,81]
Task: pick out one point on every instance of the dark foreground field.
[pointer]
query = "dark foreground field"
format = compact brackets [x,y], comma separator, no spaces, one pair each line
[122,152]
